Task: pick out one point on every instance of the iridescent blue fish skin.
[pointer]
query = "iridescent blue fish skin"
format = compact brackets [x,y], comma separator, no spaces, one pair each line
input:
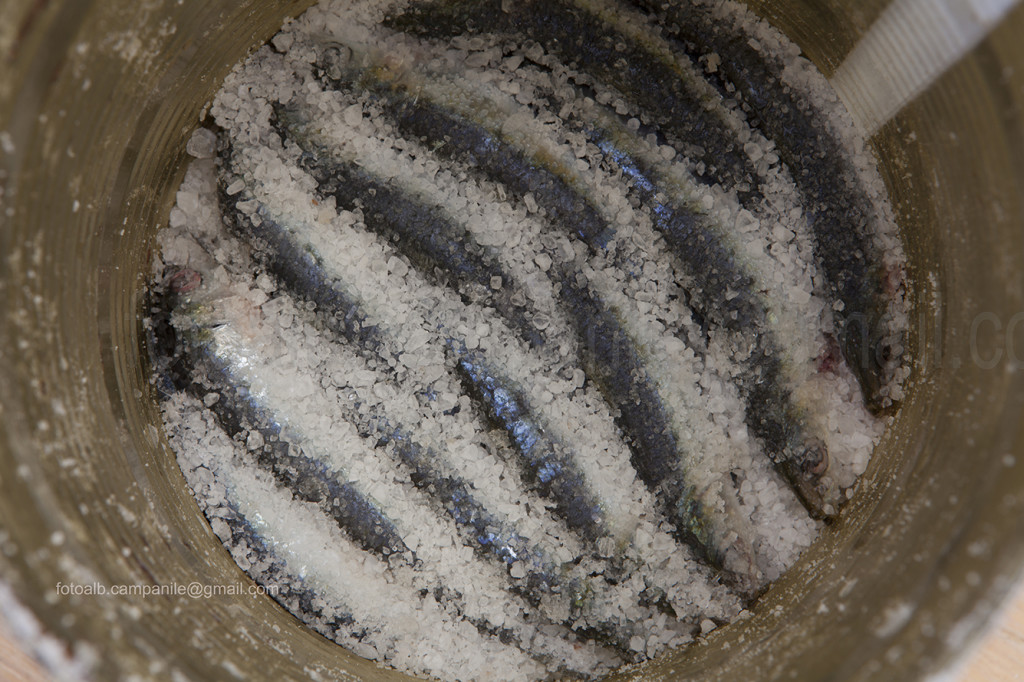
[454,135]
[545,463]
[710,264]
[473,144]
[239,412]
[516,300]
[712,270]
[489,533]
[771,415]
[612,361]
[770,412]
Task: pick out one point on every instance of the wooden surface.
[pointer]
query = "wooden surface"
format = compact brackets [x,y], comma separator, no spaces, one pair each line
[15,665]
[1000,658]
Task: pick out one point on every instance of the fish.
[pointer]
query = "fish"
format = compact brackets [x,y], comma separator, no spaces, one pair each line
[494,536]
[298,269]
[837,209]
[547,464]
[721,295]
[720,292]
[703,254]
[708,262]
[457,124]
[488,532]
[504,163]
[287,589]
[211,359]
[500,161]
[774,419]
[456,136]
[597,47]
[238,411]
[566,455]
[613,362]
[352,589]
[725,299]
[424,233]
[490,535]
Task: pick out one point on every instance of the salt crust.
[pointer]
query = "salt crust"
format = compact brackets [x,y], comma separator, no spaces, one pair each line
[308,379]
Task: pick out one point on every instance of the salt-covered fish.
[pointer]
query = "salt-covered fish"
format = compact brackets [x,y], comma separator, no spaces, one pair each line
[578,34]
[838,210]
[216,361]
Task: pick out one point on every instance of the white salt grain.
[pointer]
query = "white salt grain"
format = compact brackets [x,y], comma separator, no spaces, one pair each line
[202,144]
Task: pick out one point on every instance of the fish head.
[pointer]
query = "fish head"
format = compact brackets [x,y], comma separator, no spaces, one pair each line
[806,470]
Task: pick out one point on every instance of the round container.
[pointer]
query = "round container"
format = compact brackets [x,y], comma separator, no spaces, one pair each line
[97,100]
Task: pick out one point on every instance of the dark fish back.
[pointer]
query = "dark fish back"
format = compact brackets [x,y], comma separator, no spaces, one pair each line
[613,362]
[545,465]
[597,48]
[455,136]
[309,480]
[836,207]
[297,270]
[423,233]
[288,590]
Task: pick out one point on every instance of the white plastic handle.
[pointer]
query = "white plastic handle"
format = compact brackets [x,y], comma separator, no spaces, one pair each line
[911,44]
